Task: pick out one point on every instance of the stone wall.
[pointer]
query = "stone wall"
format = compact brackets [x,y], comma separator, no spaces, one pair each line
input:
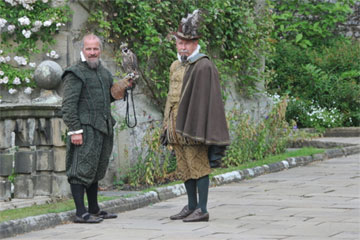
[33,151]
[351,28]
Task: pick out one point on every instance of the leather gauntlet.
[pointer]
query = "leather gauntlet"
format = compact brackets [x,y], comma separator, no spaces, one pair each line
[118,89]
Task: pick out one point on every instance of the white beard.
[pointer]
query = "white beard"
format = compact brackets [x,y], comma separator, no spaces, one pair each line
[93,64]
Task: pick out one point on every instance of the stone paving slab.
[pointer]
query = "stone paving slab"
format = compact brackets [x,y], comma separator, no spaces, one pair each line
[291,205]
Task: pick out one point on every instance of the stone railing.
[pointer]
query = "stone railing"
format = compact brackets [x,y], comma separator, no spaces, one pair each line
[32,150]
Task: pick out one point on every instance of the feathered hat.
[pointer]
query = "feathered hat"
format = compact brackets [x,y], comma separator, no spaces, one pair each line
[189,26]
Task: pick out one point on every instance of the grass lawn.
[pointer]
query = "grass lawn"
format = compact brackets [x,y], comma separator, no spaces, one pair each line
[68,205]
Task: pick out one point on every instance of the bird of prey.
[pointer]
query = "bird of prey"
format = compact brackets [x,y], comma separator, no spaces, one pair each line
[129,61]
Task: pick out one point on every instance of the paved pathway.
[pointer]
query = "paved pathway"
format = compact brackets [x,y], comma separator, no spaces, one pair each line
[317,201]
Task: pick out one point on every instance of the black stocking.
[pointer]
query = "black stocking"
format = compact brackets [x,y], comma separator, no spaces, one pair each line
[92,193]
[77,191]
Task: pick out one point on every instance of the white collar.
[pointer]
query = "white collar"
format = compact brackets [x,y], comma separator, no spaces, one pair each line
[82,57]
[192,55]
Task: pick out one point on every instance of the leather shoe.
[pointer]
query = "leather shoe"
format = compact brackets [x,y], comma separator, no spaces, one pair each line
[197,216]
[87,218]
[182,214]
[105,215]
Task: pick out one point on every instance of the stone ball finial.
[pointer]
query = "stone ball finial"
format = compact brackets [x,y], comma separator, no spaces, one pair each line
[47,75]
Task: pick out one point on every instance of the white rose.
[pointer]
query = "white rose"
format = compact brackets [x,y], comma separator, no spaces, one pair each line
[24,20]
[5,80]
[26,33]
[12,91]
[37,24]
[28,90]
[2,22]
[47,23]
[11,28]
[17,81]
[11,2]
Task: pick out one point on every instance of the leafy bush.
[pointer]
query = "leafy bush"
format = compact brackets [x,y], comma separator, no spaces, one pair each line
[326,77]
[314,64]
[154,163]
[255,141]
[309,115]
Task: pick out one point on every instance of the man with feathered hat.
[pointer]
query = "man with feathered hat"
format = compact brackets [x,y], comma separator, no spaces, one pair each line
[194,117]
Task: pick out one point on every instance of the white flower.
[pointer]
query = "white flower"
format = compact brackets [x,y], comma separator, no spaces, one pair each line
[20,60]
[8,58]
[12,2]
[2,59]
[11,28]
[28,90]
[45,1]
[37,23]
[2,73]
[47,23]
[5,80]
[26,33]
[24,20]
[12,91]
[1,51]
[27,80]
[53,54]
[32,64]
[17,81]
[2,22]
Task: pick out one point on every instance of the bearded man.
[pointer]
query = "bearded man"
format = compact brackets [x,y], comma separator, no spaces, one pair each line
[86,112]
[194,118]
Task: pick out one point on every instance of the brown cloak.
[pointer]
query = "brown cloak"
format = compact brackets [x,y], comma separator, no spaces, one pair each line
[201,114]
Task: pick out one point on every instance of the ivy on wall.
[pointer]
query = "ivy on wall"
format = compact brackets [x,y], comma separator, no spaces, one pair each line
[234,32]
[24,26]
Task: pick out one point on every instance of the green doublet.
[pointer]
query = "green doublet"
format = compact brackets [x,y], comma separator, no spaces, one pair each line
[86,105]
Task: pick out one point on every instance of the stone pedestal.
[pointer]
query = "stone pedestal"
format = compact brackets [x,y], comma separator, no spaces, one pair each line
[39,161]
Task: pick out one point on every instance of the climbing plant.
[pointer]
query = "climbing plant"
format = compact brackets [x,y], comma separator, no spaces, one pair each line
[234,32]
[24,26]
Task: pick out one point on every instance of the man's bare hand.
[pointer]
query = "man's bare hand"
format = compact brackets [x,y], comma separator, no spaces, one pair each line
[77,139]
